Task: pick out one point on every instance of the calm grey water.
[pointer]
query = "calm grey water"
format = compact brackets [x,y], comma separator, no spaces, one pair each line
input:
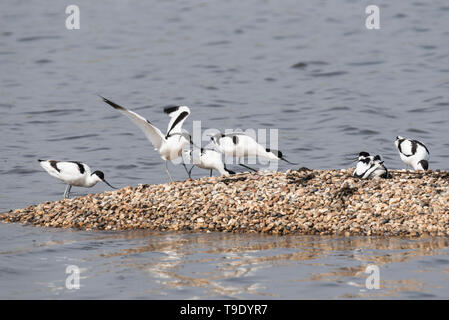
[141,265]
[231,62]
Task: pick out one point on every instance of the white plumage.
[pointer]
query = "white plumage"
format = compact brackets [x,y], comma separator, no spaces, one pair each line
[240,145]
[377,169]
[206,159]
[363,164]
[369,167]
[413,153]
[73,173]
[169,145]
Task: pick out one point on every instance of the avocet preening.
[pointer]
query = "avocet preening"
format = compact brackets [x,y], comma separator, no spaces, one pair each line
[207,159]
[369,167]
[413,153]
[377,169]
[169,145]
[240,145]
[73,173]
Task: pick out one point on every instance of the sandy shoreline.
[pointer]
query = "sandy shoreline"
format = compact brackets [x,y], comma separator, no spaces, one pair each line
[324,202]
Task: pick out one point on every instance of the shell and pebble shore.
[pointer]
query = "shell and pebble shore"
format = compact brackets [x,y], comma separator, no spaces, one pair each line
[319,202]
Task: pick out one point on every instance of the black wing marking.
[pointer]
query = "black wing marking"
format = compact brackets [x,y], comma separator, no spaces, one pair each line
[399,145]
[54,163]
[371,173]
[400,148]
[414,146]
[234,134]
[366,161]
[181,117]
[421,144]
[113,104]
[80,166]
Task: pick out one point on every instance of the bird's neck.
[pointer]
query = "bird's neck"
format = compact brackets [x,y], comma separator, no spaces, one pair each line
[91,180]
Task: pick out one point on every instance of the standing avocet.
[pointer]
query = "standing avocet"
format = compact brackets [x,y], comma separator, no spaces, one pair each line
[240,145]
[169,145]
[413,153]
[73,173]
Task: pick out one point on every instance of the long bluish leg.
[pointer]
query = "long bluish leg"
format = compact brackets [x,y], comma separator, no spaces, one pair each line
[185,167]
[168,172]
[190,171]
[67,191]
[211,172]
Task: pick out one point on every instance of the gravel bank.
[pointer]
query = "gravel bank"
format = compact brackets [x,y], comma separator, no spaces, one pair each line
[302,202]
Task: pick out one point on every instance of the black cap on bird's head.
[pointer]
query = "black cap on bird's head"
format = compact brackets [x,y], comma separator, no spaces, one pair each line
[215,137]
[363,154]
[277,153]
[377,157]
[170,109]
[100,175]
[424,164]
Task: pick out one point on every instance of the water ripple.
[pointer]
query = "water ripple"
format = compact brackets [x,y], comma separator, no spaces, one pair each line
[73,138]
[57,112]
[328,74]
[35,38]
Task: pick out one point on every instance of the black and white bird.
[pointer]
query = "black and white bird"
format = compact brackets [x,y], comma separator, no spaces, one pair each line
[73,173]
[363,164]
[240,145]
[206,159]
[377,169]
[369,167]
[413,153]
[168,145]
